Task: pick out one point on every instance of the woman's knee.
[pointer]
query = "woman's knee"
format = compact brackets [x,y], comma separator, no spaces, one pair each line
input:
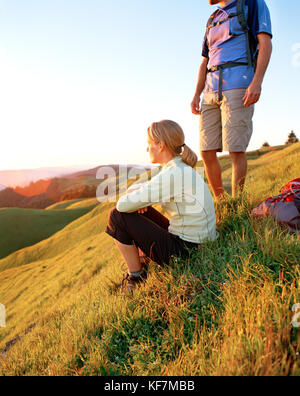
[114,215]
[117,217]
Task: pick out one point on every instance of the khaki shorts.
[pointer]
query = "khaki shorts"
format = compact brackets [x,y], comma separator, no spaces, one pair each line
[225,125]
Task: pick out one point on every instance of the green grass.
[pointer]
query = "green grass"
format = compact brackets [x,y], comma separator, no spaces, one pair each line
[226,310]
[81,203]
[25,227]
[65,240]
[258,158]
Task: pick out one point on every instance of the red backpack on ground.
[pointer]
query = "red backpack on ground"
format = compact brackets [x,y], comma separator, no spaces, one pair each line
[285,207]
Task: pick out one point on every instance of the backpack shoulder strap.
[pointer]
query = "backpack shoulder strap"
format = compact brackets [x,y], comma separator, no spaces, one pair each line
[210,21]
[241,14]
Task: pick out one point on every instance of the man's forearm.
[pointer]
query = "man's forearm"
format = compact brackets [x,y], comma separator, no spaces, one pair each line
[263,60]
[253,92]
[201,77]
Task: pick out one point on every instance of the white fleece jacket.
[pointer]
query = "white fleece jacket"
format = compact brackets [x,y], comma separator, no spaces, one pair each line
[183,195]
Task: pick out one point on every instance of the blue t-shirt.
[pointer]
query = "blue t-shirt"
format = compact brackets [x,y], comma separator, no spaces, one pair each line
[226,42]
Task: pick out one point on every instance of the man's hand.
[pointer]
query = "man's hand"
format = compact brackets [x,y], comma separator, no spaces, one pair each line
[195,105]
[265,50]
[252,94]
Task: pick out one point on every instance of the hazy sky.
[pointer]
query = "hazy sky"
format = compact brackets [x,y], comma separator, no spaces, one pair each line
[81,80]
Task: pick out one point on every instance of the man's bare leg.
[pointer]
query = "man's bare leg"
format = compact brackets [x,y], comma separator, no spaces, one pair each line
[213,172]
[239,172]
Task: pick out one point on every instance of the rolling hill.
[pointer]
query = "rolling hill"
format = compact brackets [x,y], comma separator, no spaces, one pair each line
[226,310]
[9,198]
[21,228]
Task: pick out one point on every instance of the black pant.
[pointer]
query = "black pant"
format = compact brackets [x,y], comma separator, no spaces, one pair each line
[149,232]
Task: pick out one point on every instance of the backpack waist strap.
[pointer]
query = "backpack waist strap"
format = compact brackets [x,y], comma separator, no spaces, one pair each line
[221,68]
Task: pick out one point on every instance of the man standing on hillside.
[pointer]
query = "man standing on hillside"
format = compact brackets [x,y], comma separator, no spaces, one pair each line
[236,53]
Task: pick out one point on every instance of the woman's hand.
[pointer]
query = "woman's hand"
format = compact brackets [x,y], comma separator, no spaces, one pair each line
[143,210]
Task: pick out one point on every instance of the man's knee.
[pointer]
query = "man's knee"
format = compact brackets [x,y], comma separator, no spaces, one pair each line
[238,156]
[237,153]
[209,156]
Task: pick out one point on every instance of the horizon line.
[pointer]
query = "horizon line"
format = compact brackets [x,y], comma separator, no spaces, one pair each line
[92,166]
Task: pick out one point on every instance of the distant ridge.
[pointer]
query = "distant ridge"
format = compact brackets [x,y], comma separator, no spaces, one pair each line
[93,172]
[47,191]
[2,187]
[23,177]
[12,199]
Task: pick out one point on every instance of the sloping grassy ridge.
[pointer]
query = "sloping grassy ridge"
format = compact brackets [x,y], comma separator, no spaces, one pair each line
[68,237]
[227,310]
[25,227]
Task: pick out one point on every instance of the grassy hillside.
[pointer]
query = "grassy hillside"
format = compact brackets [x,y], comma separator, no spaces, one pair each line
[25,227]
[266,154]
[227,310]
[66,239]
[75,204]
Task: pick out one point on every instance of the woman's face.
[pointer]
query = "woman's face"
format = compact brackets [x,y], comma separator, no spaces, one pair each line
[154,150]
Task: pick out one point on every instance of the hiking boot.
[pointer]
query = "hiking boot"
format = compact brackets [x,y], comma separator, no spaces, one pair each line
[130,282]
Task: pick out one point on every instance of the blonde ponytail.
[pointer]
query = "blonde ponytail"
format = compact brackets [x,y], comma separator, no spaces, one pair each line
[172,135]
[189,157]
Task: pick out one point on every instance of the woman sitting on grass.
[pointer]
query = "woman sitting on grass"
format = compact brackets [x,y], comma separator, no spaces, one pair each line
[140,230]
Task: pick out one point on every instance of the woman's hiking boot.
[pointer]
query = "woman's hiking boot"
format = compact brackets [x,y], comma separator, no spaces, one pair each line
[130,282]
